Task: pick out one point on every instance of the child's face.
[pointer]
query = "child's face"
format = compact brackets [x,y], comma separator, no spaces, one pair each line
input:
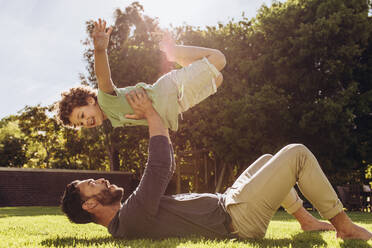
[87,116]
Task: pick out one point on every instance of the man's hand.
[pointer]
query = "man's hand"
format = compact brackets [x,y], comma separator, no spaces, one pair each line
[143,108]
[100,36]
[140,103]
[167,45]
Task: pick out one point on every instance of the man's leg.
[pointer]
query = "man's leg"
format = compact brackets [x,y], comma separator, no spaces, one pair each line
[253,204]
[292,203]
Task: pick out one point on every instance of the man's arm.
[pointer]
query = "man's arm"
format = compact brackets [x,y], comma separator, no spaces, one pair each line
[143,109]
[185,55]
[101,39]
[156,175]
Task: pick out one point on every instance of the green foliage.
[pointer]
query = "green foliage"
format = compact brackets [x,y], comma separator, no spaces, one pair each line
[12,144]
[300,71]
[47,227]
[133,53]
[33,139]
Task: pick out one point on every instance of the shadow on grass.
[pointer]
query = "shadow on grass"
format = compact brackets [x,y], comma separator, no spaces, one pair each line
[355,243]
[304,240]
[73,241]
[301,240]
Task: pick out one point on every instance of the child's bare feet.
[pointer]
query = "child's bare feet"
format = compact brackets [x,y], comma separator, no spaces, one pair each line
[167,45]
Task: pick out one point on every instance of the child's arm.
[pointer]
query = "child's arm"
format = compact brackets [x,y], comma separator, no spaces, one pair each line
[185,55]
[101,39]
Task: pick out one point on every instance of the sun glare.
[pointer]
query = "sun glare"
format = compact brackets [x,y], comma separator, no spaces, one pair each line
[176,12]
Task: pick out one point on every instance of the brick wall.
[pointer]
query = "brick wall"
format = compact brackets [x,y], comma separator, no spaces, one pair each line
[44,187]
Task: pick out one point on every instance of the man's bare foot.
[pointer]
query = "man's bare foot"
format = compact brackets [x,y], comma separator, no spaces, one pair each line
[310,223]
[346,229]
[355,232]
[317,225]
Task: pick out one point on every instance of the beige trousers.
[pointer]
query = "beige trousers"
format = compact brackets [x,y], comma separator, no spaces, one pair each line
[268,183]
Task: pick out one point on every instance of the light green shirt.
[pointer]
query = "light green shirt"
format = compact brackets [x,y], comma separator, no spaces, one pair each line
[164,98]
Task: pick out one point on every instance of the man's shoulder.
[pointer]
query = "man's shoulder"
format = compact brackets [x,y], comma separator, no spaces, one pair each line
[128,217]
[131,206]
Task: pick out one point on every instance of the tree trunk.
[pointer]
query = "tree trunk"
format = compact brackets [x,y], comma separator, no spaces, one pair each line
[114,158]
[220,179]
[111,149]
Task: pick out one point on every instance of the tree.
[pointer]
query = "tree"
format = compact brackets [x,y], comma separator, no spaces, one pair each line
[362,103]
[12,144]
[309,49]
[298,72]
[41,134]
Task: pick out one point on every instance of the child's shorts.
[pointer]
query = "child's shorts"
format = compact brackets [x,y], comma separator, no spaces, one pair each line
[195,82]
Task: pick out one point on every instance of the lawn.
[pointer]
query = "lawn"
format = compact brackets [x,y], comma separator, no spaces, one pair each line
[47,227]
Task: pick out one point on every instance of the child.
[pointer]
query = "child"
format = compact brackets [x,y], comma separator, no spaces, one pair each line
[171,94]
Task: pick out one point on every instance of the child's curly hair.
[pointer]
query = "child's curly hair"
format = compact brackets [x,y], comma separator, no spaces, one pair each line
[75,97]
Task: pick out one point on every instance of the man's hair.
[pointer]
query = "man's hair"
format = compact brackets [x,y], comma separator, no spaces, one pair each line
[71,204]
[75,97]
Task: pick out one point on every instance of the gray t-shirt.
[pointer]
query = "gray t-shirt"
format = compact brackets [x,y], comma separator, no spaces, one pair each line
[148,213]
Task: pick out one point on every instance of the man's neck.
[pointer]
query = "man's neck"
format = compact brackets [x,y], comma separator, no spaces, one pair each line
[107,213]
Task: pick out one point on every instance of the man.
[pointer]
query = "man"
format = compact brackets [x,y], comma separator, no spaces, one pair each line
[243,211]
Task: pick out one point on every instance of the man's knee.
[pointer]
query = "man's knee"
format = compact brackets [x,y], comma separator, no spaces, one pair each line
[266,156]
[261,161]
[295,148]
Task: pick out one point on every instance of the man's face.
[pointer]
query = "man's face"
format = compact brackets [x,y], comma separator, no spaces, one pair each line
[87,116]
[100,189]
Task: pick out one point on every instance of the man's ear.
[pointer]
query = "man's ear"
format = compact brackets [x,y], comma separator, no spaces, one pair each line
[90,204]
[91,100]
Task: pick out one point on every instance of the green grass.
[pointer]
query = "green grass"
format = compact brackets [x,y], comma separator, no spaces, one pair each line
[48,227]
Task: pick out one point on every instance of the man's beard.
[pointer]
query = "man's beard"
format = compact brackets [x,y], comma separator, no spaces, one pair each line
[107,197]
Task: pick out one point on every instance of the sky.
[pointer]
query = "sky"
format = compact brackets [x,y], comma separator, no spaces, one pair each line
[41,54]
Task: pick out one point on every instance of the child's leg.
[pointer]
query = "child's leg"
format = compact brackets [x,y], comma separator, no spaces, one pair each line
[200,76]
[185,55]
[219,80]
[195,82]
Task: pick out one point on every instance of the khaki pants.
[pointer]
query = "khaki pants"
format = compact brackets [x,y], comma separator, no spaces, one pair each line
[268,183]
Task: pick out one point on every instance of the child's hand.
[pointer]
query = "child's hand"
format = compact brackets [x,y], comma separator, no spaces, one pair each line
[167,45]
[140,103]
[100,36]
